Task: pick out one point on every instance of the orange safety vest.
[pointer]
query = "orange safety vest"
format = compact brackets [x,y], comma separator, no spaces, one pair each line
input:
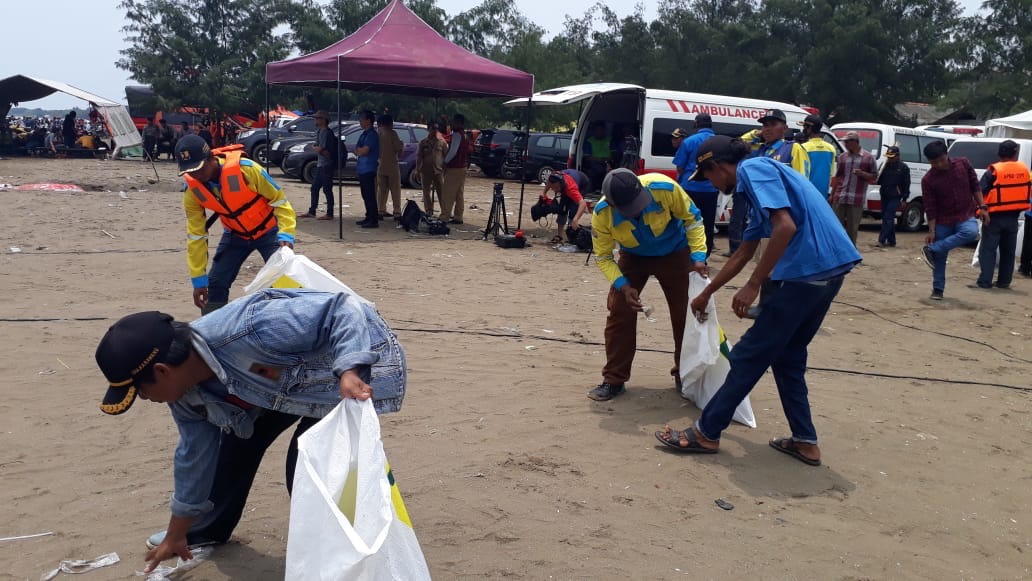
[1012,188]
[242,210]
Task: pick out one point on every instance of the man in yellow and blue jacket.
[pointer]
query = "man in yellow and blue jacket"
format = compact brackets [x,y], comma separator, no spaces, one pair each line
[660,232]
[254,212]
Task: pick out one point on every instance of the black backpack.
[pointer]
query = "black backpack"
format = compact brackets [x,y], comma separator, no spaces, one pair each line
[412,217]
[581,237]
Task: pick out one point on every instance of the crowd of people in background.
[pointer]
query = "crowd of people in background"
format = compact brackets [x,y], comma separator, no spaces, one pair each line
[159,137]
[56,137]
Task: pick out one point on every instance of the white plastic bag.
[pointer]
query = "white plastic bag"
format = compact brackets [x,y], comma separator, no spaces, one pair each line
[341,465]
[285,269]
[704,356]
[1017,251]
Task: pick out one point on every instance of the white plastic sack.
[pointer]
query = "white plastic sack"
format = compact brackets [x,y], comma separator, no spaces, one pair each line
[347,518]
[1017,252]
[704,356]
[285,269]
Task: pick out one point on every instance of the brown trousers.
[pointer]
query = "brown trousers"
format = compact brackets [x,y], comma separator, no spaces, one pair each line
[850,217]
[435,179]
[452,204]
[622,323]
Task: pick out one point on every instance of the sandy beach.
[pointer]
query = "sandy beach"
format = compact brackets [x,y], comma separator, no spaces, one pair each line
[507,469]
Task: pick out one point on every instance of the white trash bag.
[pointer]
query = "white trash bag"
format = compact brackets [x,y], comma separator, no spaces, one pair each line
[975,262]
[285,269]
[704,356]
[347,518]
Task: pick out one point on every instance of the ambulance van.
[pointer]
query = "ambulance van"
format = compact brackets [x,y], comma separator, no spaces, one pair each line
[649,116]
[876,138]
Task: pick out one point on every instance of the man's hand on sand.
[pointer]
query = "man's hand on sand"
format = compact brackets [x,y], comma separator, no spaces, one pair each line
[166,550]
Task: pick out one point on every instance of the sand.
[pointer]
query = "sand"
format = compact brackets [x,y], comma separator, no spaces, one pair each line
[507,468]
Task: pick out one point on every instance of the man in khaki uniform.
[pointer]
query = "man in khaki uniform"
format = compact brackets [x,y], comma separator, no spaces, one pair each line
[455,163]
[430,161]
[388,174]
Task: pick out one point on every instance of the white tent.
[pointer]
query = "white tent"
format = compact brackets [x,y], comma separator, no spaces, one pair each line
[21,88]
[1017,126]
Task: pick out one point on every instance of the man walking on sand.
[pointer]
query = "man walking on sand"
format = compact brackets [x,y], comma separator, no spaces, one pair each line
[806,258]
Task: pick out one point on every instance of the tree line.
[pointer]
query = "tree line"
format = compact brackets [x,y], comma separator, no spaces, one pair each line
[852,59]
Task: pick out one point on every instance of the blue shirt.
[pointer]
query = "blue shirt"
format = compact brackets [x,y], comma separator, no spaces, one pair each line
[369,162]
[282,350]
[820,244]
[689,148]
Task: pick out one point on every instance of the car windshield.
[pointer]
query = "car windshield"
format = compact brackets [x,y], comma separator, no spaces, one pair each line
[870,139]
[980,153]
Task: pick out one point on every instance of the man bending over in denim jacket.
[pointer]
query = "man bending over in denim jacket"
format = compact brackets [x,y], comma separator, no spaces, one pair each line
[237,378]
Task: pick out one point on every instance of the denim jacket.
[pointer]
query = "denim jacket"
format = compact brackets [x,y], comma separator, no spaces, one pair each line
[282,350]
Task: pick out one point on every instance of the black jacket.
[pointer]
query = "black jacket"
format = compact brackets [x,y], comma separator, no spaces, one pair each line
[895,181]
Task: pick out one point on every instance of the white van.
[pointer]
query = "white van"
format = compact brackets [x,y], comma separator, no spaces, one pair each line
[876,138]
[651,115]
[983,151]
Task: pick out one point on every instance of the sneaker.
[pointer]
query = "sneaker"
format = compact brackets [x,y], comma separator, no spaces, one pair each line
[929,258]
[325,217]
[936,295]
[370,225]
[455,221]
[606,391]
[159,537]
[361,222]
[981,286]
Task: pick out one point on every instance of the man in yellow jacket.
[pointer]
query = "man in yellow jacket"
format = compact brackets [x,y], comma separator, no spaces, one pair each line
[660,232]
[254,212]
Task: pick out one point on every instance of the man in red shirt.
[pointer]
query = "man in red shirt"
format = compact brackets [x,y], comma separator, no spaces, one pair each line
[951,197]
[568,184]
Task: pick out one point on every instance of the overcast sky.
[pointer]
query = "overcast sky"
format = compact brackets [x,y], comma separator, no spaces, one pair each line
[78,42]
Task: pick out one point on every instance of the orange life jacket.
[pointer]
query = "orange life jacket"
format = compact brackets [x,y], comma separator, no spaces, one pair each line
[242,210]
[1012,188]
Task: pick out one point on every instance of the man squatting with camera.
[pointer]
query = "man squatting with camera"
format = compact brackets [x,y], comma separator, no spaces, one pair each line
[568,204]
[661,234]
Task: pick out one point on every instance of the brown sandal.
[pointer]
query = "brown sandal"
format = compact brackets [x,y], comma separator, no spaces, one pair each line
[683,441]
[788,446]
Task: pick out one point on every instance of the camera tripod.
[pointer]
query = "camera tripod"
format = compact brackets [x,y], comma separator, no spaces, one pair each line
[497,223]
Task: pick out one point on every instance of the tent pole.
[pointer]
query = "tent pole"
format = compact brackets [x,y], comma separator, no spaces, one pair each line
[522,176]
[340,150]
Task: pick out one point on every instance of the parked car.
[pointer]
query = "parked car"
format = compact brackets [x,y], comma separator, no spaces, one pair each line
[548,153]
[301,159]
[278,150]
[984,151]
[489,150]
[875,138]
[256,141]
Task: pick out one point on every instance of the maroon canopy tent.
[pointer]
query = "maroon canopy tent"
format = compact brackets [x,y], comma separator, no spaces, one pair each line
[396,52]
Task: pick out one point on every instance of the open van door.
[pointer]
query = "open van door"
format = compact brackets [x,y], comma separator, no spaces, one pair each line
[571,94]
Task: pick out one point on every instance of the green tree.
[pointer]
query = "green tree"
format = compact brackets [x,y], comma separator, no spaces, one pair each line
[208,54]
[998,43]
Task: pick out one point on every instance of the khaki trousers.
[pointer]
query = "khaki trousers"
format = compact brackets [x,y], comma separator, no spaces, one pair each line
[388,183]
[849,216]
[452,202]
[435,179]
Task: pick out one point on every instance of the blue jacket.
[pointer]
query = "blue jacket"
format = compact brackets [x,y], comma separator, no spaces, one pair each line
[369,162]
[282,350]
[685,162]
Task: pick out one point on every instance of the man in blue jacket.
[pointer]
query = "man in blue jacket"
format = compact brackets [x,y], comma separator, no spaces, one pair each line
[806,258]
[236,379]
[701,192]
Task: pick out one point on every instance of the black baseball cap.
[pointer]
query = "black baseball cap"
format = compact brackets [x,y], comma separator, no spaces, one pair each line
[191,152]
[814,121]
[714,149]
[892,151]
[624,192]
[773,115]
[129,347]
